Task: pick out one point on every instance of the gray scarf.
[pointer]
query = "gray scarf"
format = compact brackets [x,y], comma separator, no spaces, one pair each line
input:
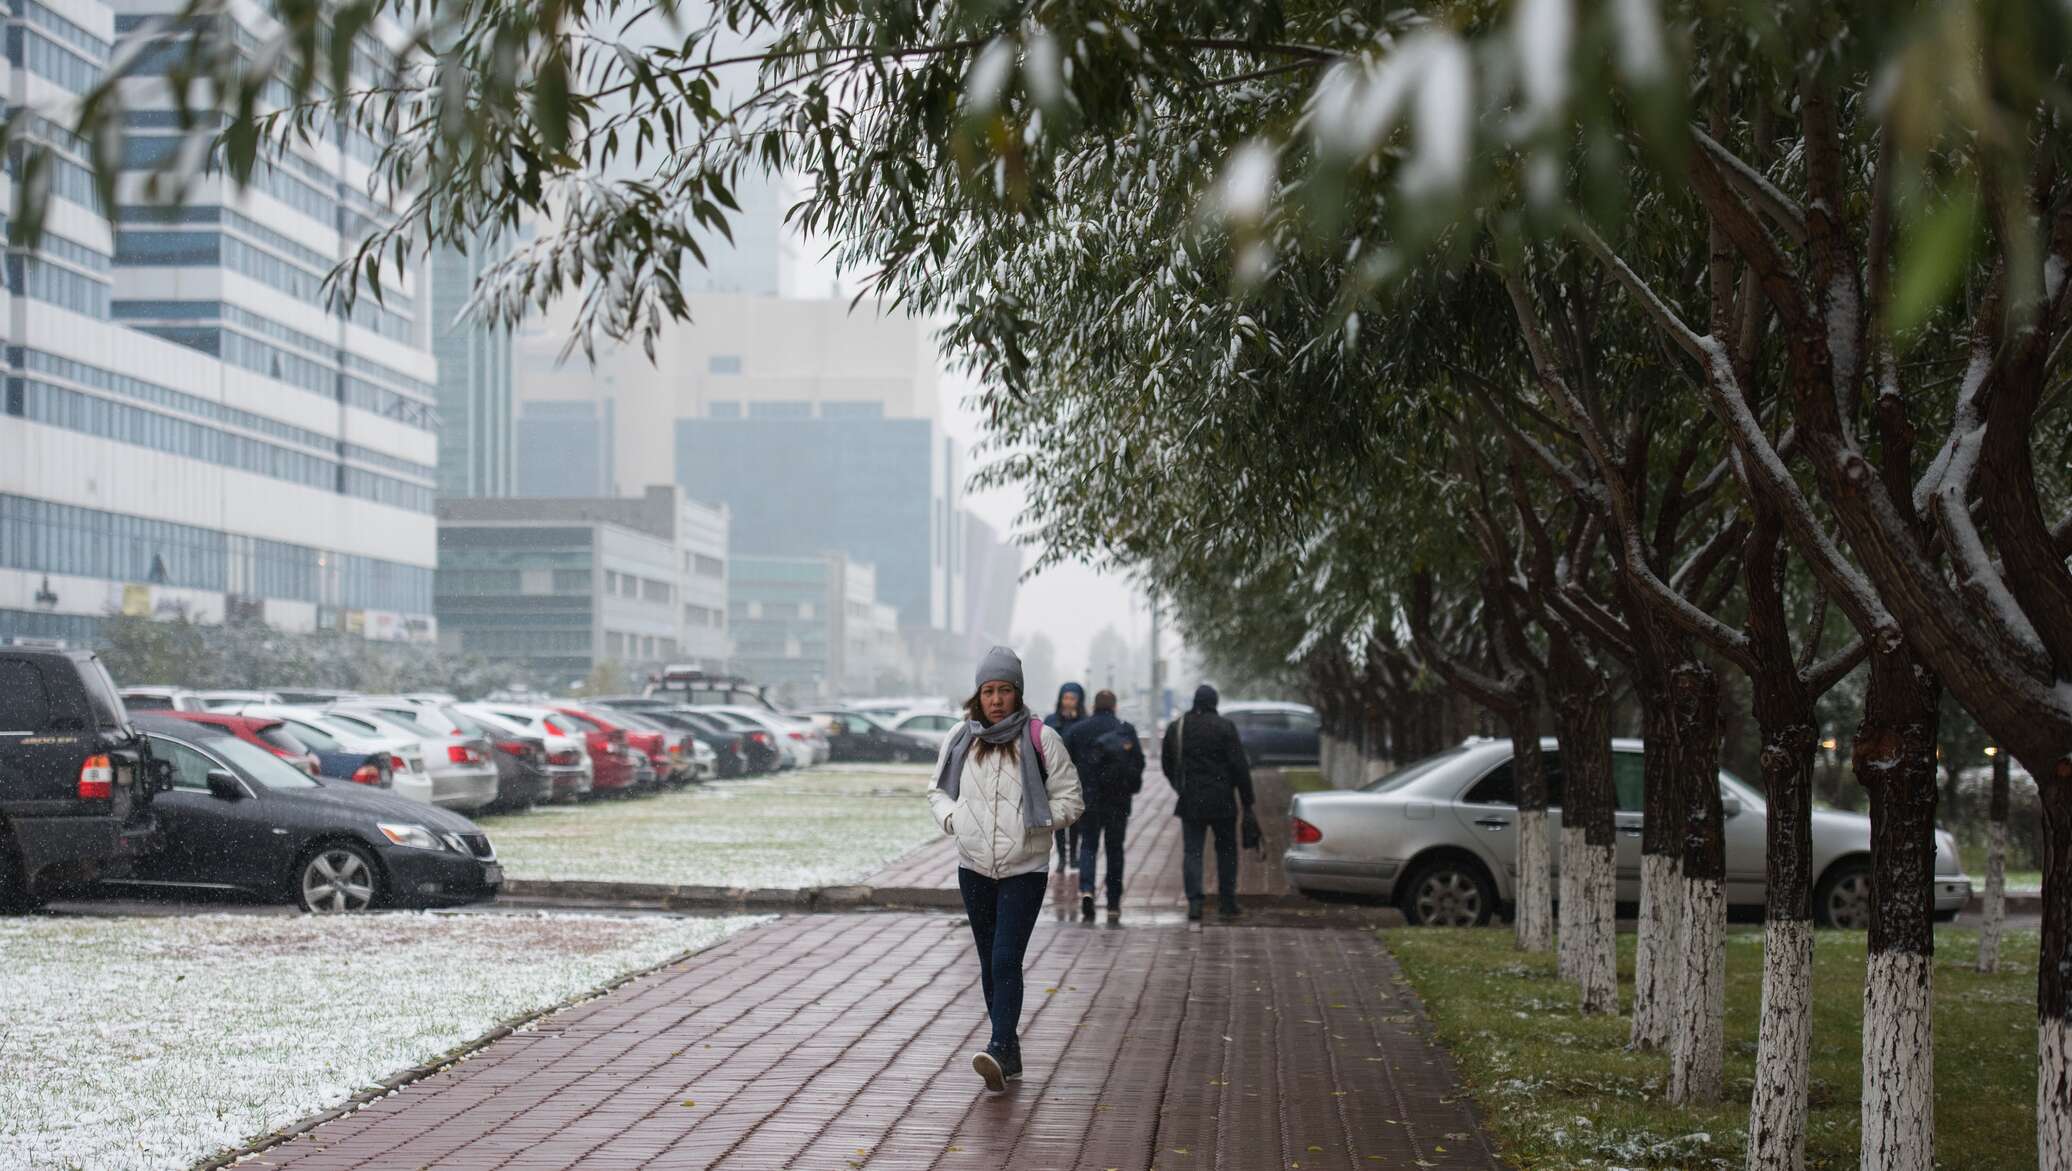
[1035,795]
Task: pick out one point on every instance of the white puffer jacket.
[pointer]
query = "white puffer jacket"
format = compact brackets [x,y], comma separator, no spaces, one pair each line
[986,815]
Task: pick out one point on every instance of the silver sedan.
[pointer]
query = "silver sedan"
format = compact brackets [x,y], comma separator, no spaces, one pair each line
[1439,838]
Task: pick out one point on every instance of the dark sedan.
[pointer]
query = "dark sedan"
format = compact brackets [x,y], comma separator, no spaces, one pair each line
[853,736]
[240,819]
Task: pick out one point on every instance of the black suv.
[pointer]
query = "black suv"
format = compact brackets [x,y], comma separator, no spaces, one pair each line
[76,779]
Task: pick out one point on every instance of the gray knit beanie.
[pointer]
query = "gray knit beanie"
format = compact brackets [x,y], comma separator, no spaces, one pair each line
[1000,664]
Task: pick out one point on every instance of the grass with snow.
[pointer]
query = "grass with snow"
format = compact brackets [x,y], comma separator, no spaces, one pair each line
[1561,1091]
[154,1042]
[826,826]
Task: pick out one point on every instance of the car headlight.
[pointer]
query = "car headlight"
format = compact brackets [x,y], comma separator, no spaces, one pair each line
[408,834]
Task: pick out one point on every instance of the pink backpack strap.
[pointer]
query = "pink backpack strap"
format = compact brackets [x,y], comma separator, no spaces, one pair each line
[1036,739]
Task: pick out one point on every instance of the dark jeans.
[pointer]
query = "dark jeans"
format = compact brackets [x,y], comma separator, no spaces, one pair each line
[1093,826]
[1192,831]
[1003,915]
[1067,840]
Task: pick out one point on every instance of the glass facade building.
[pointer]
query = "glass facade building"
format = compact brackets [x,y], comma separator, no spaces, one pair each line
[476,446]
[192,422]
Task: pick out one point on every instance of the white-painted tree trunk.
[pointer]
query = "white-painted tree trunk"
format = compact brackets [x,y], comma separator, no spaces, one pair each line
[1597,946]
[1327,758]
[1535,892]
[1784,1047]
[1568,930]
[1698,1044]
[1655,972]
[2054,1093]
[1994,920]
[1899,1064]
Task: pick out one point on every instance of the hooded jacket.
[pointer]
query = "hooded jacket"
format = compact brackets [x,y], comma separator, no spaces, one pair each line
[1205,762]
[985,816]
[1057,720]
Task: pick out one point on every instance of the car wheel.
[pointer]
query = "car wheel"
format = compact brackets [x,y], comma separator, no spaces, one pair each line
[1843,898]
[337,876]
[1449,892]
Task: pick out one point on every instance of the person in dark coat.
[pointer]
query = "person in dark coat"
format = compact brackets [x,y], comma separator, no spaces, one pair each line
[1069,710]
[1205,763]
[1110,761]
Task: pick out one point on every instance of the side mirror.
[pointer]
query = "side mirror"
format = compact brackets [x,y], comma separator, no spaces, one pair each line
[162,774]
[225,784]
[1729,806]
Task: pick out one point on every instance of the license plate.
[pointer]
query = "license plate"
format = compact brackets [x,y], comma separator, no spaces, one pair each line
[492,874]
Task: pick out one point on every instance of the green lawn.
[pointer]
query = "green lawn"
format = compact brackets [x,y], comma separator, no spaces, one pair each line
[1304,780]
[1974,860]
[825,826]
[1560,1091]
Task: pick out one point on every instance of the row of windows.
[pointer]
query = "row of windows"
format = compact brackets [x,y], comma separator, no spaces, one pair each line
[69,180]
[387,490]
[507,582]
[382,459]
[388,404]
[423,389]
[638,646]
[37,361]
[46,537]
[57,247]
[372,315]
[247,320]
[268,269]
[278,364]
[30,277]
[705,566]
[294,249]
[74,629]
[704,616]
[31,50]
[73,35]
[525,644]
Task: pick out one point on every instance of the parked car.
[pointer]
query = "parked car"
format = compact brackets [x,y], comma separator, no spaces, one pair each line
[929,724]
[238,818]
[344,752]
[522,780]
[463,775]
[755,744]
[1276,733]
[272,735]
[785,734]
[679,763]
[710,754]
[219,700]
[650,748]
[162,699]
[310,696]
[616,765]
[77,779]
[568,761]
[855,736]
[1438,838]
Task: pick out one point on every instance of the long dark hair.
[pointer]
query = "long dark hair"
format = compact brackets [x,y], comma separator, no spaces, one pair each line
[976,712]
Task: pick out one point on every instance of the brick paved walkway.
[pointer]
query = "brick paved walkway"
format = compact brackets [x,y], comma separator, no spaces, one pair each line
[1151,869]
[828,1042]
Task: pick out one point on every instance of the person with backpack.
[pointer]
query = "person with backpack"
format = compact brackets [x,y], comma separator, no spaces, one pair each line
[1205,763]
[1111,772]
[1003,783]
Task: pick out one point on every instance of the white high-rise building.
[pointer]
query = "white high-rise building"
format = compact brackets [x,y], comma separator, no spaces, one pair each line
[189,423]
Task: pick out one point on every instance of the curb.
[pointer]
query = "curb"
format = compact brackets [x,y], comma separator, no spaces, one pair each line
[2022,902]
[659,896]
[446,1060]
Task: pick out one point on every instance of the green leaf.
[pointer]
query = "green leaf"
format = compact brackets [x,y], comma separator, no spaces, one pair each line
[550,108]
[1934,249]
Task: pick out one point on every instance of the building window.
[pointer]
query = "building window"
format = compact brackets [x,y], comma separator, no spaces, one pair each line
[705,566]
[781,409]
[723,364]
[852,410]
[723,410]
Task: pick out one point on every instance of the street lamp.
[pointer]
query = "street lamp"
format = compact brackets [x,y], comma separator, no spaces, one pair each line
[1992,750]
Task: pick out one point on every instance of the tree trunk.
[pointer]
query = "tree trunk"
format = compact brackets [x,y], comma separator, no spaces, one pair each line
[1784,1043]
[1698,1045]
[1661,878]
[2054,972]
[1535,894]
[1895,761]
[1995,916]
[1588,871]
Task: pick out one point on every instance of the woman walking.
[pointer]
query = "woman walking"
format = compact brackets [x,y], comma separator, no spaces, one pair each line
[1003,784]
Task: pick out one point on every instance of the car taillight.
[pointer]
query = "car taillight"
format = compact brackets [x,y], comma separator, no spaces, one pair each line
[565,756]
[462,754]
[1303,832]
[513,747]
[96,779]
[759,737]
[398,765]
[798,736]
[367,774]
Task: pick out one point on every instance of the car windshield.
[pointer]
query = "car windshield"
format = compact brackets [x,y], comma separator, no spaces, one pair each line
[261,765]
[1389,782]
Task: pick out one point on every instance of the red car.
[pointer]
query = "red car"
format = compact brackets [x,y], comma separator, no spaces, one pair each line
[272,735]
[613,767]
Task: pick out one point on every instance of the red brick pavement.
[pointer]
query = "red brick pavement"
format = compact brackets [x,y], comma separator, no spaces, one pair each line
[841,1041]
[1151,866]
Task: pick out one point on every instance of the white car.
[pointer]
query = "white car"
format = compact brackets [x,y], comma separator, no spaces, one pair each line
[220,701]
[928,723]
[407,775]
[568,755]
[162,699]
[463,775]
[791,735]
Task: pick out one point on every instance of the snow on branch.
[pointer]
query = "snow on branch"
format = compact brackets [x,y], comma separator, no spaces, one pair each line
[1780,208]
[1653,305]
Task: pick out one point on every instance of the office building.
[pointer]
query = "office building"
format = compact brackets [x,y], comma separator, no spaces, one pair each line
[561,584]
[992,579]
[192,424]
[811,629]
[477,450]
[565,448]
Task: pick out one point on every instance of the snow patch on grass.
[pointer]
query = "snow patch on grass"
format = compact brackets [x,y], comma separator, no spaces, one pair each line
[825,827]
[144,1043]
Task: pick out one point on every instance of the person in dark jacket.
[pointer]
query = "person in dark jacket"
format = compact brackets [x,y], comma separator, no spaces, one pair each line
[1204,762]
[1110,761]
[1070,710]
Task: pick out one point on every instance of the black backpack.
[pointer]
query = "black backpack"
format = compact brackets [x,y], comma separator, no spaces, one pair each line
[1118,764]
